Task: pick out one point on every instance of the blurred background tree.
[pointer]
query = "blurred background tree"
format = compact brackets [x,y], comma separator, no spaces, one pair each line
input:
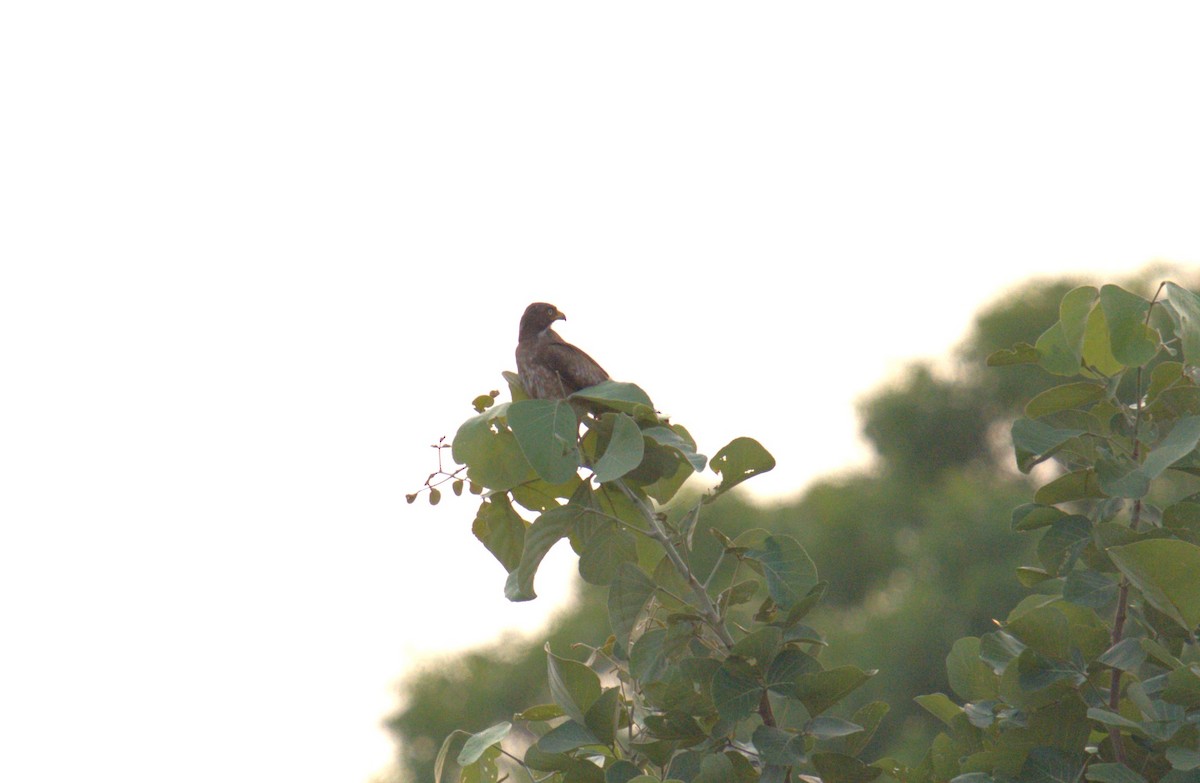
[921,540]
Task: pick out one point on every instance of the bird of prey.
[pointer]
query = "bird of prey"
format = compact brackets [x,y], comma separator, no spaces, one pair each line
[549,367]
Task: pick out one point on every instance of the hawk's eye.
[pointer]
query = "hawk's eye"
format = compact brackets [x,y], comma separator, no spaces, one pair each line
[549,311]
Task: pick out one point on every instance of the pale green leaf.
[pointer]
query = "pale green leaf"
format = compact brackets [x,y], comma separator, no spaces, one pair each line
[1167,572]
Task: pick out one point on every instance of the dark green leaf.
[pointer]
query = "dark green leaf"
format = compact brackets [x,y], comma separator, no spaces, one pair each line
[674,726]
[627,595]
[1037,671]
[1133,342]
[740,459]
[677,438]
[567,737]
[1185,307]
[715,768]
[1126,655]
[547,432]
[836,768]
[998,649]
[1113,773]
[622,397]
[818,691]
[1167,571]
[1051,765]
[1089,588]
[789,571]
[736,689]
[1062,543]
[1036,441]
[624,450]
[778,747]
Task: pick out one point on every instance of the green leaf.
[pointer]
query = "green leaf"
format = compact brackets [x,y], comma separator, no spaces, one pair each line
[1051,765]
[1113,773]
[1021,353]
[1092,589]
[869,716]
[736,689]
[567,737]
[1121,477]
[547,433]
[1097,348]
[488,448]
[1133,342]
[573,686]
[624,450]
[1183,687]
[758,648]
[740,459]
[1043,628]
[778,747]
[1036,441]
[1031,516]
[1062,543]
[716,768]
[544,533]
[1110,718]
[627,596]
[1037,671]
[940,706]
[618,396]
[601,717]
[1079,485]
[818,691]
[501,530]
[625,772]
[480,741]
[836,768]
[1185,759]
[1167,572]
[541,712]
[1065,397]
[444,753]
[789,571]
[824,727]
[1061,346]
[1126,655]
[1181,441]
[1185,308]
[677,438]
[603,547]
[786,667]
[969,676]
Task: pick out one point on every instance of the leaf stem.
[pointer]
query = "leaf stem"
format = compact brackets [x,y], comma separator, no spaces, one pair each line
[707,609]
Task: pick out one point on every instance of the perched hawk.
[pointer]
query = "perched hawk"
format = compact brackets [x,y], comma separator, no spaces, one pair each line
[550,368]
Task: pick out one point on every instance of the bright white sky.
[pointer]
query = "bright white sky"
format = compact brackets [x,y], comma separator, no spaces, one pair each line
[257,255]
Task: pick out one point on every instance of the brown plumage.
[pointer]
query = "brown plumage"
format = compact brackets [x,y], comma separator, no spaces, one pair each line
[550,368]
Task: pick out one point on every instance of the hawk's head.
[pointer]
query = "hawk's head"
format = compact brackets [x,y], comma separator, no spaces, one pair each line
[538,317]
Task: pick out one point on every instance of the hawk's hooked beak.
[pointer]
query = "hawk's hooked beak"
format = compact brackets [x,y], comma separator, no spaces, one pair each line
[560,315]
